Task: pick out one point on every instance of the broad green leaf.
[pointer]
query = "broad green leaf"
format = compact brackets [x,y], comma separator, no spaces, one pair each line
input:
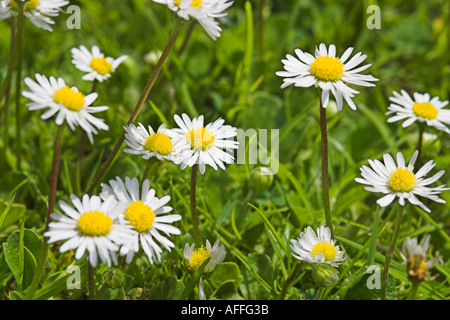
[168,289]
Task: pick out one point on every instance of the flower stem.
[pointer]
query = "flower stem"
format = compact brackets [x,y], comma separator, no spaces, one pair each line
[51,206]
[414,288]
[289,281]
[194,214]
[179,23]
[6,88]
[20,46]
[420,144]
[325,182]
[390,251]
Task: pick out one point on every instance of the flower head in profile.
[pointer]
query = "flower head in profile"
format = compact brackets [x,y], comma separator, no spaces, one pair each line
[398,180]
[68,104]
[91,225]
[422,109]
[211,145]
[163,144]
[195,258]
[204,11]
[94,63]
[147,215]
[327,71]
[37,11]
[415,256]
[317,249]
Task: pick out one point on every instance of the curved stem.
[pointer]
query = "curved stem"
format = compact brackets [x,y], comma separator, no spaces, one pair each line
[20,46]
[179,23]
[390,251]
[289,281]
[51,206]
[194,214]
[325,182]
[247,199]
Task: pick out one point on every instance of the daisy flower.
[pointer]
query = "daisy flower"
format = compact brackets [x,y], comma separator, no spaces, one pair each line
[422,109]
[163,144]
[399,180]
[414,254]
[210,144]
[328,72]
[146,213]
[68,104]
[37,11]
[97,66]
[195,258]
[204,11]
[93,226]
[317,249]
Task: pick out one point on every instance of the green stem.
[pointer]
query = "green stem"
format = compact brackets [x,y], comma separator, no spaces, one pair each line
[20,46]
[322,291]
[6,88]
[325,182]
[179,23]
[289,281]
[148,168]
[91,283]
[390,251]
[51,207]
[420,144]
[194,213]
[414,288]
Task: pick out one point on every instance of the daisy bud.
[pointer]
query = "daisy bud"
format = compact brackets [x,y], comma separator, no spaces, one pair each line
[324,274]
[261,179]
[114,278]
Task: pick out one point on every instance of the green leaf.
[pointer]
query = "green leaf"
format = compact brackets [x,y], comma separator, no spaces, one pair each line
[250,286]
[59,284]
[168,289]
[31,248]
[224,272]
[227,290]
[15,213]
[6,211]
[16,295]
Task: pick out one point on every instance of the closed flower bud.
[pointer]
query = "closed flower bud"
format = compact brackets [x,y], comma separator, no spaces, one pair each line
[324,274]
[261,179]
[114,278]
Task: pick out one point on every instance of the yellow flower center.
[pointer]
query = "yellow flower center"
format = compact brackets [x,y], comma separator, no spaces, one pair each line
[326,68]
[140,216]
[198,257]
[328,250]
[160,143]
[425,110]
[94,224]
[101,65]
[194,4]
[70,99]
[31,4]
[417,268]
[402,180]
[199,138]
